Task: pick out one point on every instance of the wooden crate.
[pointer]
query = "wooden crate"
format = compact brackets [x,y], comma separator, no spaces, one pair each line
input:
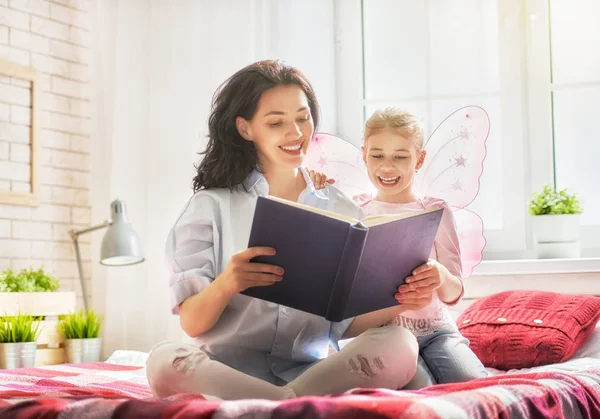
[50,305]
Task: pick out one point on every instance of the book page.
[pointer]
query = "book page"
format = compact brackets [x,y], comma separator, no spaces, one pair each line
[326,213]
[375,220]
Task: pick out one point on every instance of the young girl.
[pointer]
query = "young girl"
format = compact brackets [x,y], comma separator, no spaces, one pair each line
[393,152]
[261,123]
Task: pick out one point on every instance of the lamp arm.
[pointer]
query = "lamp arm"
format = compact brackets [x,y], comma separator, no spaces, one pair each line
[81,277]
[75,235]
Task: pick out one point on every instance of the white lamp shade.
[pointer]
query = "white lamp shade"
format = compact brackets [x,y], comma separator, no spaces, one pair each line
[120,245]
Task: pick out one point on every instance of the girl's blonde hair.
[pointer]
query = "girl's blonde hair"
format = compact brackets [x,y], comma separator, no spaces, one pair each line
[396,119]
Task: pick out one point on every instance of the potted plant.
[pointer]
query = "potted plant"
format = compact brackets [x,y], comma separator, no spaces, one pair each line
[556,223]
[81,330]
[36,291]
[27,280]
[17,341]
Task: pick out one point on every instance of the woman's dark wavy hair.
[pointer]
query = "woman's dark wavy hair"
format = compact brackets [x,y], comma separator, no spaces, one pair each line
[229,158]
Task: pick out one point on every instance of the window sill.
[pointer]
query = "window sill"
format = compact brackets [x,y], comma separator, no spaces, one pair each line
[567,276]
[537,266]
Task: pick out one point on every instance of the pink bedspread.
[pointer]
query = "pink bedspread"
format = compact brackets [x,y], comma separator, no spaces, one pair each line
[101,390]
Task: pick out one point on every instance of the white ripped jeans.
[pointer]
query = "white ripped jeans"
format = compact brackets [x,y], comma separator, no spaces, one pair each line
[384,357]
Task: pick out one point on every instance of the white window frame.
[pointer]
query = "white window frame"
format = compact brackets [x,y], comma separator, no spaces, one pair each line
[527,104]
[540,90]
[514,239]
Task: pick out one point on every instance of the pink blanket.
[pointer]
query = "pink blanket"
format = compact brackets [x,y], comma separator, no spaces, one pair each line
[101,390]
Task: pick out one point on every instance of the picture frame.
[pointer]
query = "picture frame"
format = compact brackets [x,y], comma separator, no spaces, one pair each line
[21,197]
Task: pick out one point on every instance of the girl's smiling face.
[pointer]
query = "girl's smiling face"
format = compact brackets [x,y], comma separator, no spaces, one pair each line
[392,161]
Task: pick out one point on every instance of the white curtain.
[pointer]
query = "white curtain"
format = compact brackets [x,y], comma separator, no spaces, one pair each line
[155,66]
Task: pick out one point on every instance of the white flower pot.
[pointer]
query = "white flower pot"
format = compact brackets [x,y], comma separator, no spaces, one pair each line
[557,236]
[83,350]
[559,250]
[17,355]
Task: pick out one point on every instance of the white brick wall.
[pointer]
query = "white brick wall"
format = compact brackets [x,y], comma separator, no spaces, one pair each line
[53,37]
[5,150]
[20,153]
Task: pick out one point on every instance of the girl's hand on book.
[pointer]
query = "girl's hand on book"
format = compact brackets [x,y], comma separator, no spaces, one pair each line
[319,179]
[424,281]
[241,274]
[414,299]
[429,277]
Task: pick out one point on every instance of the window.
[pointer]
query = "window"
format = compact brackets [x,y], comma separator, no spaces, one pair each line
[574,91]
[435,56]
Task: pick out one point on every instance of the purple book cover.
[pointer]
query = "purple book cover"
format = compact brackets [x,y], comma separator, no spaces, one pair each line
[391,252]
[334,268]
[309,247]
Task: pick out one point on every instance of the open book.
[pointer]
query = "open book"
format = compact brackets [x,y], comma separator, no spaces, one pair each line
[335,266]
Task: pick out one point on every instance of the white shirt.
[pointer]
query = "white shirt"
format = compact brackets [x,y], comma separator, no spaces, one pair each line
[260,338]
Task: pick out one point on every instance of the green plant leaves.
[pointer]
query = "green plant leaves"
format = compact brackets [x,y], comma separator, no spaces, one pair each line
[80,325]
[550,201]
[19,328]
[27,280]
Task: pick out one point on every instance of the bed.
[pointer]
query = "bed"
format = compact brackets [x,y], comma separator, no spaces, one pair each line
[117,388]
[112,390]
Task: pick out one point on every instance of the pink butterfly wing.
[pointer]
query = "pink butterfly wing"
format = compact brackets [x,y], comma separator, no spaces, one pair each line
[338,159]
[452,170]
[455,154]
[469,227]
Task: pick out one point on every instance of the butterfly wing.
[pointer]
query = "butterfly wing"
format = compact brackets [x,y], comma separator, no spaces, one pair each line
[340,160]
[455,154]
[469,227]
[452,170]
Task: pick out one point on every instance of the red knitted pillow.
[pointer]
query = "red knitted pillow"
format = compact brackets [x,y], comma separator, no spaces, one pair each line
[522,329]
